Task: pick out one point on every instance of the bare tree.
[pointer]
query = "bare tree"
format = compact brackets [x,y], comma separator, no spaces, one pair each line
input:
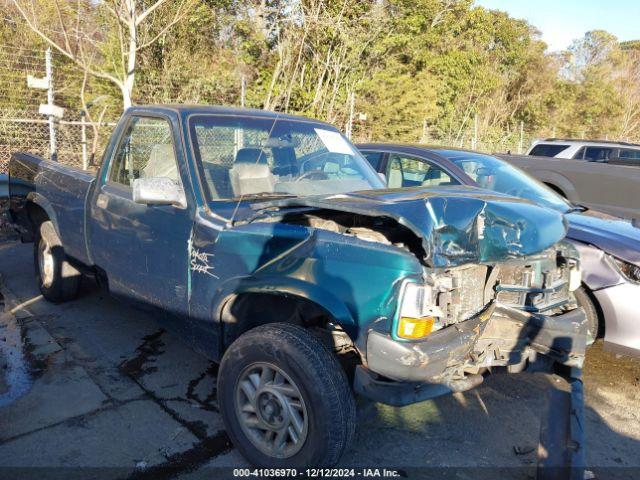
[133,24]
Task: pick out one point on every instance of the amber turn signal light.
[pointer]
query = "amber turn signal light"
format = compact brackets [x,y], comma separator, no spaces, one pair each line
[415,328]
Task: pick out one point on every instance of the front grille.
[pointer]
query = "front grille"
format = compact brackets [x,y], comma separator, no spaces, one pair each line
[465,296]
[535,284]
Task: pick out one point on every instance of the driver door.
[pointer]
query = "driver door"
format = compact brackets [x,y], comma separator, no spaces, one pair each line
[143,248]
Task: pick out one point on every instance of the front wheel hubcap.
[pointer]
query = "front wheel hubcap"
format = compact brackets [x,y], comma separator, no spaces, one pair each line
[271,410]
[45,262]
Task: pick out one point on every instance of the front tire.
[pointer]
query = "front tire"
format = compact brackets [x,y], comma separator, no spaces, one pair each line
[58,281]
[284,399]
[594,328]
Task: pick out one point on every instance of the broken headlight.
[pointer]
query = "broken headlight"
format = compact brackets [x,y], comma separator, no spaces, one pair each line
[628,270]
[418,315]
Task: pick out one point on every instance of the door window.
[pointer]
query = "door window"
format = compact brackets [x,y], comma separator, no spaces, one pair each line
[373,158]
[629,154]
[547,149]
[597,154]
[405,171]
[146,150]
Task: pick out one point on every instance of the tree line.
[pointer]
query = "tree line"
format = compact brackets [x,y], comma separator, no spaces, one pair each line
[416,69]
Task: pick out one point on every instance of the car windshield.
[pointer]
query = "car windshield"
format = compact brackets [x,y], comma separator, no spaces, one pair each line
[245,157]
[498,175]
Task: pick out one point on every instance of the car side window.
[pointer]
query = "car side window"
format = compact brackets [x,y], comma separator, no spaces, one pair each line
[145,150]
[597,154]
[579,154]
[629,154]
[373,158]
[406,171]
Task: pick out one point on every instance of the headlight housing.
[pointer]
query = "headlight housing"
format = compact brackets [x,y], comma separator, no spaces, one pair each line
[418,315]
[628,270]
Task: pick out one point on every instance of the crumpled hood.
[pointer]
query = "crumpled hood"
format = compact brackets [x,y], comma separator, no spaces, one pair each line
[456,225]
[614,235]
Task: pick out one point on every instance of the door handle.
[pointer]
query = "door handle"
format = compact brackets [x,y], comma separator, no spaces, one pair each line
[102,201]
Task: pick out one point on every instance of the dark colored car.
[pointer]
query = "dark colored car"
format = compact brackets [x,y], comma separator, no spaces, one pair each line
[609,246]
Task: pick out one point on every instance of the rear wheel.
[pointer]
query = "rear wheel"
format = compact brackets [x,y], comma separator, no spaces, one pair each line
[285,399]
[57,279]
[593,320]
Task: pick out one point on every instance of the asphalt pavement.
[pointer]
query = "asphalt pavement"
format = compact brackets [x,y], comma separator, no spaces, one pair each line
[97,387]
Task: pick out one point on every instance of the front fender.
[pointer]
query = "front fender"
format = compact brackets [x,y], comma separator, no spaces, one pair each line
[286,286]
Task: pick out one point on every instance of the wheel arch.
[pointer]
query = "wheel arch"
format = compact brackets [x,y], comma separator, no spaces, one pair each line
[558,183]
[297,303]
[38,210]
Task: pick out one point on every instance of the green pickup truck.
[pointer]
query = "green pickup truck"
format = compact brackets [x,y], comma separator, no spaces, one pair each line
[284,258]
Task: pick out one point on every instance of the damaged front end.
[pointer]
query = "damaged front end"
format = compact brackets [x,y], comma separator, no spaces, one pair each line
[495,290]
[480,317]
[507,315]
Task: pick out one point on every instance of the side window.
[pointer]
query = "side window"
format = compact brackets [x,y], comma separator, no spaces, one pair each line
[373,158]
[628,154]
[411,172]
[146,150]
[547,149]
[597,154]
[579,154]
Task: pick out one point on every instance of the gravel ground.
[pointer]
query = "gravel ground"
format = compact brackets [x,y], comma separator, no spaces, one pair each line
[98,385]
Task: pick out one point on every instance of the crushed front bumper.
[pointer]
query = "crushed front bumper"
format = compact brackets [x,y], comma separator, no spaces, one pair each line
[451,360]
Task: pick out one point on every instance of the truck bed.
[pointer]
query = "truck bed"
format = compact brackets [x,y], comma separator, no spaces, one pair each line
[60,190]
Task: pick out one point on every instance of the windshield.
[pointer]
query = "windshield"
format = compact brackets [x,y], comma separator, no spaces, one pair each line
[498,175]
[244,157]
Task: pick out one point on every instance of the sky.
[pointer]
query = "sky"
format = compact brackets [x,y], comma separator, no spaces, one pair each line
[562,21]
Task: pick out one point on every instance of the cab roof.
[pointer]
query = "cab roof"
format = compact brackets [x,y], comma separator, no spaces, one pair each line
[185,110]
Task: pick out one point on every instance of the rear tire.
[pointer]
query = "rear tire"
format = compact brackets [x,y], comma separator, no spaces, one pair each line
[278,381]
[593,319]
[57,279]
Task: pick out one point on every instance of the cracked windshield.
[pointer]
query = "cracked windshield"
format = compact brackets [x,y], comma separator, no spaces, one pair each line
[256,157]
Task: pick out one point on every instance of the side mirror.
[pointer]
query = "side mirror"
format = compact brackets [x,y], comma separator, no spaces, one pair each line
[158,191]
[383,177]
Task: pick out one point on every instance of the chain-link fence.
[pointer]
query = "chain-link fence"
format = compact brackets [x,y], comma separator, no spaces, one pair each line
[23,128]
[74,140]
[23,89]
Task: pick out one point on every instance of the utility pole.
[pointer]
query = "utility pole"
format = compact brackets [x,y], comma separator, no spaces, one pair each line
[83,132]
[49,108]
[352,102]
[243,90]
[239,132]
[521,142]
[52,120]
[474,140]
[425,131]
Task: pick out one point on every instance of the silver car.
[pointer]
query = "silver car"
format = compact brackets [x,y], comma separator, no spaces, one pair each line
[610,246]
